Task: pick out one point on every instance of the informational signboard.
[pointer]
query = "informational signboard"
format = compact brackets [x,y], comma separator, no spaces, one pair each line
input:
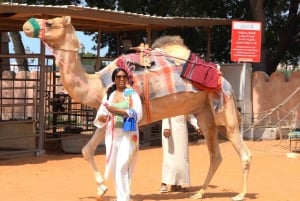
[245,41]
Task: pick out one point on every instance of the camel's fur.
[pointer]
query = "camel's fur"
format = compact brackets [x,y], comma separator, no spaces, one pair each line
[88,89]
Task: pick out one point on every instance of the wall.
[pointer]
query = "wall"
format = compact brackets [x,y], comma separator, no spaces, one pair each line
[17,135]
[271,103]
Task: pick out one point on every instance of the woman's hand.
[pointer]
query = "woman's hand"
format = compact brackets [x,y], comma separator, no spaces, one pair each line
[111,109]
[115,110]
[103,118]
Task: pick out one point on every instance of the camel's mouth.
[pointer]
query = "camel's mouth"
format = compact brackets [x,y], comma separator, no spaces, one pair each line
[32,28]
[27,28]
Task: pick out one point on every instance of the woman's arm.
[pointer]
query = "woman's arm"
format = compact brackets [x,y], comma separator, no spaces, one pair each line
[116,110]
[136,105]
[102,116]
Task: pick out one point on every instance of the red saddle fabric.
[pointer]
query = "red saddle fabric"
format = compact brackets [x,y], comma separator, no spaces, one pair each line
[204,75]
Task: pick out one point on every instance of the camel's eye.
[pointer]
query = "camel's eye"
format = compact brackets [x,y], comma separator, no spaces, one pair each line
[48,24]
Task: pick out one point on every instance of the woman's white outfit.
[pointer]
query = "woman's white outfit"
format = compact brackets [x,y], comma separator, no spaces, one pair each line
[121,146]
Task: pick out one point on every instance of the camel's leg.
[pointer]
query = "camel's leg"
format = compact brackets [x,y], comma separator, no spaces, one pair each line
[88,152]
[232,124]
[209,130]
[245,157]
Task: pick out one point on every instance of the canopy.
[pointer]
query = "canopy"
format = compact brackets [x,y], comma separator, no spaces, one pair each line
[13,16]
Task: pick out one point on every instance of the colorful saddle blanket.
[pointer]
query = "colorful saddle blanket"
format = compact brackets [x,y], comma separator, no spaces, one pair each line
[164,77]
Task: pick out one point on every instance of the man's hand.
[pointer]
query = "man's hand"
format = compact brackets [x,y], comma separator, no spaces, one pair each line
[167,133]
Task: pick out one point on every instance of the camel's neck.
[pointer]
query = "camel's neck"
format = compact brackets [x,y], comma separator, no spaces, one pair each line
[67,58]
[79,85]
[84,88]
[70,68]
[67,41]
[68,62]
[65,54]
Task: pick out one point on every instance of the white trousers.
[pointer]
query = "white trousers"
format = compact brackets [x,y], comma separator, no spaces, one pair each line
[122,160]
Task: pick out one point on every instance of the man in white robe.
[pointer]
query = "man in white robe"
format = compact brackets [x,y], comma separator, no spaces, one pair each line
[175,166]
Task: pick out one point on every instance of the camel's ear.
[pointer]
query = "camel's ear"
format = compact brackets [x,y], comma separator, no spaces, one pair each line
[67,19]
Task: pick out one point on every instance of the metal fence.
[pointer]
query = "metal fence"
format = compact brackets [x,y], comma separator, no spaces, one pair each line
[35,109]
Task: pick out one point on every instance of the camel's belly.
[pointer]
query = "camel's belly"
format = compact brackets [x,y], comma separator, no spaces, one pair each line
[173,105]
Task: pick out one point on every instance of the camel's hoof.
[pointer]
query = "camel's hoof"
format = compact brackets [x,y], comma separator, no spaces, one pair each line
[101,192]
[238,198]
[196,196]
[99,198]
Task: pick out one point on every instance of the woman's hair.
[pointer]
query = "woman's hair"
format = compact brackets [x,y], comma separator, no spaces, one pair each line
[113,78]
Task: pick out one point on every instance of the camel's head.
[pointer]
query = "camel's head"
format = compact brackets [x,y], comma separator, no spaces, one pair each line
[52,31]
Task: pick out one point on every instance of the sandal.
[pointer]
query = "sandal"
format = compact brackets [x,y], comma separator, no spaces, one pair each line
[178,188]
[163,188]
[183,190]
[174,188]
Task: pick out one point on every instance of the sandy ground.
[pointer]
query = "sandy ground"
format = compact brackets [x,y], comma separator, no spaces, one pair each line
[67,177]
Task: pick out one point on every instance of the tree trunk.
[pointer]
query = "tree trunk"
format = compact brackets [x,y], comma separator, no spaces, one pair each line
[257,14]
[19,49]
[4,62]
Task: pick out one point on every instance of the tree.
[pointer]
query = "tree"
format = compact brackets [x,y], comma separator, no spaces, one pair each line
[282,33]
[280,22]
[49,2]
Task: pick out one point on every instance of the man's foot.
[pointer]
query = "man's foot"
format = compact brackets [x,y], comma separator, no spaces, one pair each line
[163,188]
[178,188]
[173,188]
[183,190]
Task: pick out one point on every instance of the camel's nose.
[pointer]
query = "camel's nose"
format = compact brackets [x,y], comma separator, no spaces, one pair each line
[28,29]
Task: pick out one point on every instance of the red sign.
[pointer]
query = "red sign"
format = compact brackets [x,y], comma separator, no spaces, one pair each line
[245,41]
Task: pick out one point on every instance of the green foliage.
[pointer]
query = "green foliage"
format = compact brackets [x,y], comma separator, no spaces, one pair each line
[195,38]
[282,16]
[49,2]
[280,19]
[88,59]
[107,4]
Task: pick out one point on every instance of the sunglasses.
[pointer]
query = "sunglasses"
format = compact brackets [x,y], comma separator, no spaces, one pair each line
[121,76]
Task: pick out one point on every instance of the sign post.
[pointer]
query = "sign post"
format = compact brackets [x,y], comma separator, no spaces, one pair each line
[245,41]
[245,47]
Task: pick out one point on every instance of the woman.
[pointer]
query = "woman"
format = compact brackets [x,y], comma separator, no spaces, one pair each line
[121,146]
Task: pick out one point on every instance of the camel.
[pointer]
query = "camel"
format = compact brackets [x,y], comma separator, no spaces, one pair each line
[88,89]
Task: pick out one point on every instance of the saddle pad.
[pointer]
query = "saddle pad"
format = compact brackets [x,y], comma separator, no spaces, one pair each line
[205,75]
[163,78]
